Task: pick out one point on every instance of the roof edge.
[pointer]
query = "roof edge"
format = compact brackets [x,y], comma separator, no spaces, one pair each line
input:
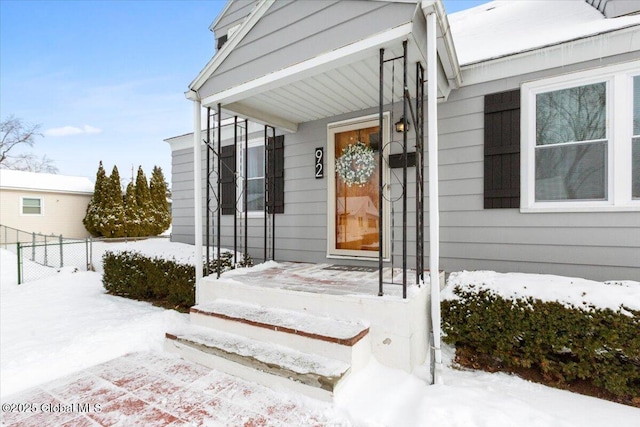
[228,47]
[220,15]
[448,51]
[519,63]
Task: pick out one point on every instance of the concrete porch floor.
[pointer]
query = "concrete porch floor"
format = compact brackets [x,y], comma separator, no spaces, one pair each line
[158,389]
[325,278]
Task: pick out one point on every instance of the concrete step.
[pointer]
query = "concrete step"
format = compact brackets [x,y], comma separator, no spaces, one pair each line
[339,339]
[267,363]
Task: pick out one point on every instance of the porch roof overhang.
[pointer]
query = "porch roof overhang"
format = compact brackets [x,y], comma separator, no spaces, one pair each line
[340,81]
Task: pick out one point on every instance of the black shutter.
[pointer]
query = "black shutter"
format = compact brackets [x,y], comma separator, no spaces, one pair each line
[275,174]
[227,179]
[502,150]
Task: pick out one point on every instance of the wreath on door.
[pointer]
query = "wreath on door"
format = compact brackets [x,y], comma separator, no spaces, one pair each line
[356,164]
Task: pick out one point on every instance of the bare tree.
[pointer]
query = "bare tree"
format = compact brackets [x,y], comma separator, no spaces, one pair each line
[31,163]
[14,133]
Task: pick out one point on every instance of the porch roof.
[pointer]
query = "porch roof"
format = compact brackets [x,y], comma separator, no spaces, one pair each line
[338,81]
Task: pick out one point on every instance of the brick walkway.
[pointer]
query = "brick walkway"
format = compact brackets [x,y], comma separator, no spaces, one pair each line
[158,389]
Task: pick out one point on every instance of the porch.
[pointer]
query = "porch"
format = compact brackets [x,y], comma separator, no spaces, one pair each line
[305,326]
[361,96]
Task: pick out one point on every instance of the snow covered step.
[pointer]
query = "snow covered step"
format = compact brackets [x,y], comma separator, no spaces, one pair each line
[338,339]
[266,363]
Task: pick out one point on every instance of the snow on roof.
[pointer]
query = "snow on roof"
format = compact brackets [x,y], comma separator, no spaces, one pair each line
[45,181]
[501,28]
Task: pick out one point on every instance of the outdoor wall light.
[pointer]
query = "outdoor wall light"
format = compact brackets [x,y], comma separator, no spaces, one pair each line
[400,125]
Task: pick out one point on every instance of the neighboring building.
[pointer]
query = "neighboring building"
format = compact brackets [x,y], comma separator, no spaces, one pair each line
[44,203]
[538,131]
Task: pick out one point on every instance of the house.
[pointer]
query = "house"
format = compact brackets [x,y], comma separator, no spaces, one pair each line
[497,211]
[44,203]
[503,137]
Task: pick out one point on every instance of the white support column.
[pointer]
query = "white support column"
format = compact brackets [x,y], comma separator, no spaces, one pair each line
[434,207]
[197,191]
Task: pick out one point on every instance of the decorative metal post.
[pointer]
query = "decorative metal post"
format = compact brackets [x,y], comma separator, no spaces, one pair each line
[380,174]
[404,170]
[219,192]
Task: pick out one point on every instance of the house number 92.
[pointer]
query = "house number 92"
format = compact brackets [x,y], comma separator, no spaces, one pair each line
[319,162]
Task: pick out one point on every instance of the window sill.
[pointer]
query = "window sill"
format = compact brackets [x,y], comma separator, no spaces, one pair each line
[250,215]
[555,208]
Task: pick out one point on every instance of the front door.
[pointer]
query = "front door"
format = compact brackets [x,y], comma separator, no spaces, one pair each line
[354,173]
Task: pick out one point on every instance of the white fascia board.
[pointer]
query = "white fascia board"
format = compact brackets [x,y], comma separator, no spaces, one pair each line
[625,40]
[345,55]
[220,15]
[48,190]
[231,43]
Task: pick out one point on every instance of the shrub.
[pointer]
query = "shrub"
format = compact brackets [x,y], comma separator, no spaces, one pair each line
[167,282]
[562,342]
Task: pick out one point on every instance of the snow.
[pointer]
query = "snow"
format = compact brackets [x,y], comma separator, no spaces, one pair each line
[268,353]
[65,323]
[380,396]
[159,247]
[298,321]
[45,181]
[500,28]
[571,291]
[52,327]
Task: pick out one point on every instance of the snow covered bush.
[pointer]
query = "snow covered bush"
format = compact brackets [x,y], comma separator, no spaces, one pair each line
[166,282]
[555,328]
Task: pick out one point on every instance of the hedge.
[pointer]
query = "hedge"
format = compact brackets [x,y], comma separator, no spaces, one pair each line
[562,342]
[132,275]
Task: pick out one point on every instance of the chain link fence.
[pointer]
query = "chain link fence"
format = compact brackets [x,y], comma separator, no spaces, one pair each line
[41,255]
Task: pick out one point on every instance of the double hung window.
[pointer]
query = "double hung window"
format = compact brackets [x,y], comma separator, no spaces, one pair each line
[31,206]
[255,176]
[581,141]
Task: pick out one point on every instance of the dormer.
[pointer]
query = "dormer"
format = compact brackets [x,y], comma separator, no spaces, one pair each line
[230,19]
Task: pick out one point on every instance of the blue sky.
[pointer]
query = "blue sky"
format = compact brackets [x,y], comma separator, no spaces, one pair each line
[106,79]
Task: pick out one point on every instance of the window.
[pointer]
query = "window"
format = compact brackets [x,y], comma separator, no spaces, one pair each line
[579,133]
[255,176]
[31,206]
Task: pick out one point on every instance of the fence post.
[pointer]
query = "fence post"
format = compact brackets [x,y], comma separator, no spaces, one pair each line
[18,253]
[33,246]
[61,253]
[46,258]
[86,252]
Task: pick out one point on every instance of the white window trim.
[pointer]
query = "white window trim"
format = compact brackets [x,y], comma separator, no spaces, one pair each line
[256,142]
[31,197]
[342,126]
[619,80]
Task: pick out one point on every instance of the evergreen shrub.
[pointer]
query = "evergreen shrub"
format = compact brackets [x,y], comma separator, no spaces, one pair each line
[166,282]
[562,342]
[141,211]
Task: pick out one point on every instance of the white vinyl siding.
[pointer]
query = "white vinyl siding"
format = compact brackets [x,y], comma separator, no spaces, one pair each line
[577,141]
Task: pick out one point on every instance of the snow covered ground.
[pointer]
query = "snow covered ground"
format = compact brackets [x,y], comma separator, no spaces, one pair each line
[65,323]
